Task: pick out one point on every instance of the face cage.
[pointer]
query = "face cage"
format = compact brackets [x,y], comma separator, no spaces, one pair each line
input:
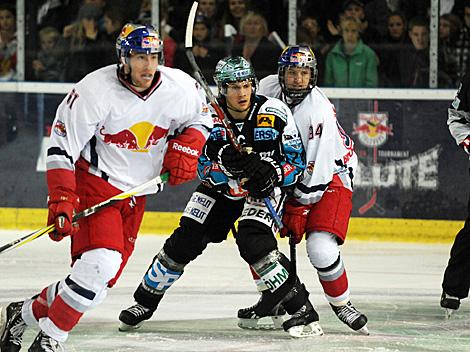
[222,86]
[297,94]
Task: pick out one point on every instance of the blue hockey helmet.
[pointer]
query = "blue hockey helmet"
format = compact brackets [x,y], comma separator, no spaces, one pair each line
[297,56]
[136,38]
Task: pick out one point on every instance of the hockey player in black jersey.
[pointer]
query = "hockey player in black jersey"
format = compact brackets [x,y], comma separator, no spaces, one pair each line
[233,186]
[456,282]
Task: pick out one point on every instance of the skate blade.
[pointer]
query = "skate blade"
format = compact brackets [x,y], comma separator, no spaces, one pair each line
[364,330]
[264,323]
[123,327]
[448,313]
[300,331]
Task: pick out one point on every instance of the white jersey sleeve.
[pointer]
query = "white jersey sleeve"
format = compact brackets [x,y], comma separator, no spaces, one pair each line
[270,87]
[78,118]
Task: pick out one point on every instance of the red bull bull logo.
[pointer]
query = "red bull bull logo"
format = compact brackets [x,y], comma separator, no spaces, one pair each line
[372,128]
[139,138]
[298,57]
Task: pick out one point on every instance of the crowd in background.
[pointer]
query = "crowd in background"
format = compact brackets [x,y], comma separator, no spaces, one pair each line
[358,43]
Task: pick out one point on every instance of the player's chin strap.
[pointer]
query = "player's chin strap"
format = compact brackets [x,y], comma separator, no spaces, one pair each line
[154,185]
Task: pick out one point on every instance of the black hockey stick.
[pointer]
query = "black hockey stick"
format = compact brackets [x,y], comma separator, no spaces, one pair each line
[213,101]
[155,182]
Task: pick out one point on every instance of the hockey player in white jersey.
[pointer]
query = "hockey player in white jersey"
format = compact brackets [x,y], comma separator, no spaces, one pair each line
[118,128]
[322,201]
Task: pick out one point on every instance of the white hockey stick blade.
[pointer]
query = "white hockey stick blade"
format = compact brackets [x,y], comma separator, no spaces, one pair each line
[188,40]
[310,330]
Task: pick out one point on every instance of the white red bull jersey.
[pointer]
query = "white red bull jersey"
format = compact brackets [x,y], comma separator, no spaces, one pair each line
[329,150]
[121,134]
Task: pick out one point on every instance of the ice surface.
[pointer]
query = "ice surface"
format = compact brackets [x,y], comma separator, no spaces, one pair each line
[396,285]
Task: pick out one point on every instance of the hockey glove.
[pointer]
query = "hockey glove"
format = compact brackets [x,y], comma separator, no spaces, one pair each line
[181,156]
[233,161]
[264,178]
[62,205]
[465,144]
[294,220]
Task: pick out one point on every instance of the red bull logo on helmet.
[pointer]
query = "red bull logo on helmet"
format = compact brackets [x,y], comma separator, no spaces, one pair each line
[150,43]
[372,128]
[140,137]
[298,57]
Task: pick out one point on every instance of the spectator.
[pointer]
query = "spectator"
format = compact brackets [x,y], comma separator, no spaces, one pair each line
[8,43]
[145,12]
[255,46]
[389,50]
[208,8]
[355,8]
[377,13]
[49,64]
[308,33]
[462,43]
[351,63]
[233,14]
[53,13]
[114,20]
[449,28]
[207,51]
[414,59]
[83,44]
[169,34]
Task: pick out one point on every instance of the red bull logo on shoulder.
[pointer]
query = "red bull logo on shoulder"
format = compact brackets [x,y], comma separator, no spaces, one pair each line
[140,137]
[373,128]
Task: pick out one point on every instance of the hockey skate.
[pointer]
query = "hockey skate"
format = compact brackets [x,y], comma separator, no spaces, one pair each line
[248,319]
[303,323]
[12,327]
[351,317]
[133,317]
[449,303]
[44,343]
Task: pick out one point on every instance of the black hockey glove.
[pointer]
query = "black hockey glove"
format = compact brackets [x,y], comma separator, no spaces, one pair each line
[264,178]
[232,161]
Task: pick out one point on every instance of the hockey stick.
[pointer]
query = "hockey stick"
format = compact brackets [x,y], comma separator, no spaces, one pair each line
[213,101]
[157,181]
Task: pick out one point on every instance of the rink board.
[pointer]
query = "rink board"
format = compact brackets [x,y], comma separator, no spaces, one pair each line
[371,229]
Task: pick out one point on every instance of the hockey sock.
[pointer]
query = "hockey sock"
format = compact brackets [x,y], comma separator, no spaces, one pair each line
[272,271]
[84,288]
[40,305]
[162,273]
[325,256]
[260,285]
